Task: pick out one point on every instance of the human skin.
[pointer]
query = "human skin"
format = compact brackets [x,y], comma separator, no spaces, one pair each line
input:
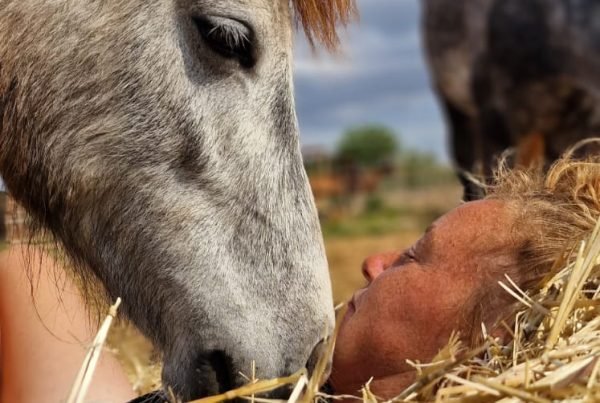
[416,299]
[41,352]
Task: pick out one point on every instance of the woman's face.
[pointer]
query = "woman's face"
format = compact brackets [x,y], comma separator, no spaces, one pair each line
[417,298]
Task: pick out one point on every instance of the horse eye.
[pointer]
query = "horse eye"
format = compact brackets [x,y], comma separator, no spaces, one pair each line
[229,38]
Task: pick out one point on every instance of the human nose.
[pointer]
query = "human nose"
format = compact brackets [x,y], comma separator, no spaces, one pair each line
[374,265]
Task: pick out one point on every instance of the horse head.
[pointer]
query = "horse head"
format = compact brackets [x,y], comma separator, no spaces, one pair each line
[157,141]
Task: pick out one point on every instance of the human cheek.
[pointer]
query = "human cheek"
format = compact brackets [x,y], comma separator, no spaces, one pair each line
[353,353]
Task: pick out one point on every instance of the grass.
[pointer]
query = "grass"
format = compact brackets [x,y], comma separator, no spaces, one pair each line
[387,220]
[393,211]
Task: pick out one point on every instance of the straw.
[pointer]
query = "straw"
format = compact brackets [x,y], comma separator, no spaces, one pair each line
[86,373]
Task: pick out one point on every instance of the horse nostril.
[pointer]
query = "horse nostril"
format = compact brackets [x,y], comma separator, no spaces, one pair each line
[211,373]
[282,393]
[223,369]
[319,350]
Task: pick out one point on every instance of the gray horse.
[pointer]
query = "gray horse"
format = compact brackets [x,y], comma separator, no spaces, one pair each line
[157,141]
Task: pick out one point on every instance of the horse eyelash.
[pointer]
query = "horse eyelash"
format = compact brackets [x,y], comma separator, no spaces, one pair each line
[234,38]
[229,38]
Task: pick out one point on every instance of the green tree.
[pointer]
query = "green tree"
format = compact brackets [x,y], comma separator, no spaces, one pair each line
[369,146]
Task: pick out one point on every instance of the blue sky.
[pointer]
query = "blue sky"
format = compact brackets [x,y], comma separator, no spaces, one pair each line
[380,77]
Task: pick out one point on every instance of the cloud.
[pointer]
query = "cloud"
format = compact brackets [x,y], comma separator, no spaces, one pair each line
[380,78]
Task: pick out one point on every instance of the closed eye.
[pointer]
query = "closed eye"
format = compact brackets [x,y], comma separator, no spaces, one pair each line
[407,257]
[227,37]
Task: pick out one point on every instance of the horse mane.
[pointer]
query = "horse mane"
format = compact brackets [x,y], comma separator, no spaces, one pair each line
[321,18]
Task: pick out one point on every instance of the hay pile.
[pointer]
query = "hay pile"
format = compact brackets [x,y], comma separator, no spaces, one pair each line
[554,354]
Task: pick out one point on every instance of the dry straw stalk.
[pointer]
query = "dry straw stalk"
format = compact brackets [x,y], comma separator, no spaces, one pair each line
[86,373]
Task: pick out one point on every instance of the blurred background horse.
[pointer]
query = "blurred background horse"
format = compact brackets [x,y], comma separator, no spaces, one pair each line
[520,74]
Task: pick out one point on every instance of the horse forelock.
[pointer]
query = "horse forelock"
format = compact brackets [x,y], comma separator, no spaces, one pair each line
[320,19]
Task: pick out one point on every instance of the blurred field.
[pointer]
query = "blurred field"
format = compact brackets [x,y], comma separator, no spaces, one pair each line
[402,217]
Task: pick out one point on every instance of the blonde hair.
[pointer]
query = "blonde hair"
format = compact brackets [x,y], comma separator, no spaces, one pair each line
[320,19]
[555,210]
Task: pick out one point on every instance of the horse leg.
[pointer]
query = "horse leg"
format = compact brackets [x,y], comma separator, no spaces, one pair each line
[464,147]
[495,140]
